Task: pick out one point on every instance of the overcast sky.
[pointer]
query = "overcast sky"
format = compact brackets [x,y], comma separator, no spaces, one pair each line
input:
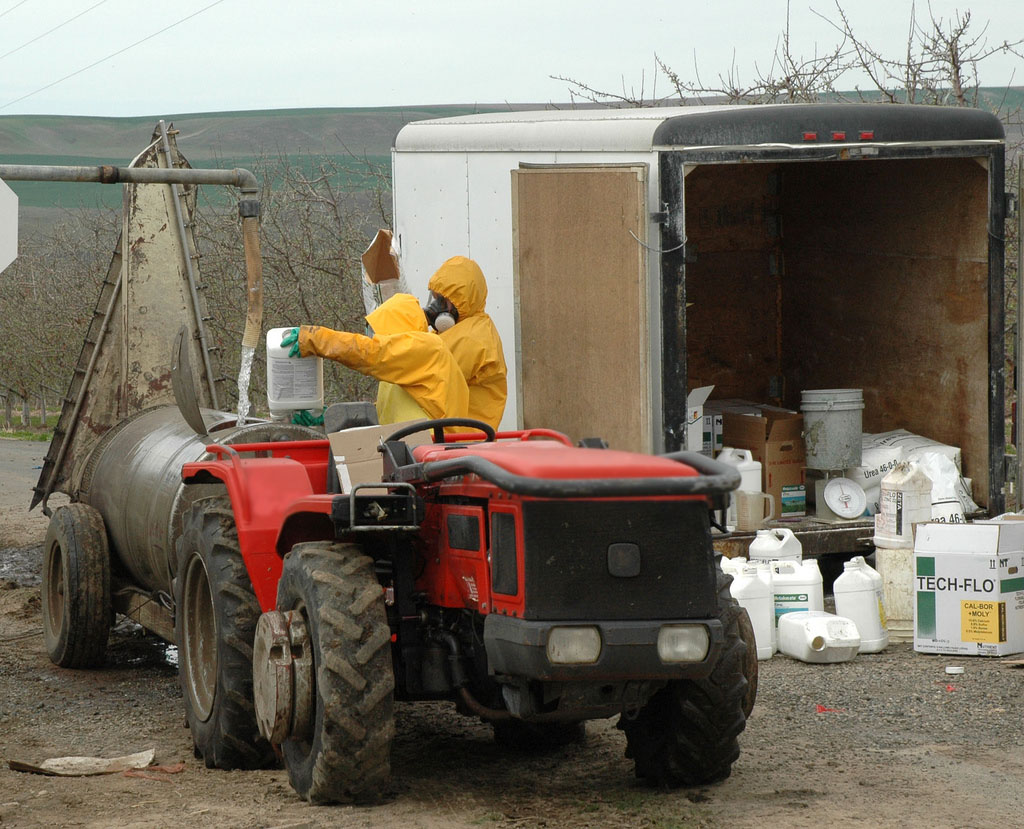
[124,57]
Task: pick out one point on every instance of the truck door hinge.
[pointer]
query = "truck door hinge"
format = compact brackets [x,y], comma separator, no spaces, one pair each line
[1010,471]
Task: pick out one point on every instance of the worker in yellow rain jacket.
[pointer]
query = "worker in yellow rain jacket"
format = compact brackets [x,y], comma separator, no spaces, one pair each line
[418,376]
[458,293]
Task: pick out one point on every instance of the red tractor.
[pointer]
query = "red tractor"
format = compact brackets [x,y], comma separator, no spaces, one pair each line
[536,583]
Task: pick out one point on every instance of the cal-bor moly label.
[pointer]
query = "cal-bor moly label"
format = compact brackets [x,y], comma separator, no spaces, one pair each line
[982,621]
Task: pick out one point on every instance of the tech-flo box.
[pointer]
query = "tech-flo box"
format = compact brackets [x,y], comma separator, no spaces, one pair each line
[969,586]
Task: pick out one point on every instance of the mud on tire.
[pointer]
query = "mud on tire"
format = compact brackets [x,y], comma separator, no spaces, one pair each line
[77,610]
[348,756]
[687,734]
[215,622]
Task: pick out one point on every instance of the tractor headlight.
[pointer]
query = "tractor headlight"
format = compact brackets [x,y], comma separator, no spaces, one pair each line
[683,643]
[574,645]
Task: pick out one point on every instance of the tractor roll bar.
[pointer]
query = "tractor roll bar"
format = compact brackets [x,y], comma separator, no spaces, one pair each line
[715,479]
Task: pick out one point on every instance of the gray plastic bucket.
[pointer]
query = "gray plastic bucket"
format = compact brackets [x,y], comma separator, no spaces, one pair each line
[832,427]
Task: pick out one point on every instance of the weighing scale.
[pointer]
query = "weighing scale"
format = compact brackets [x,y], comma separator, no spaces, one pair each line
[837,498]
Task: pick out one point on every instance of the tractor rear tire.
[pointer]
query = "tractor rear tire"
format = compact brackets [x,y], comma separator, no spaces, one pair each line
[215,623]
[77,611]
[347,755]
[687,734]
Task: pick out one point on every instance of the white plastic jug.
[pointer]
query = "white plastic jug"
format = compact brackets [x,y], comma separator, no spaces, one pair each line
[797,587]
[776,545]
[896,567]
[905,499]
[293,383]
[753,590]
[750,478]
[733,566]
[859,596]
[816,636]
[768,575]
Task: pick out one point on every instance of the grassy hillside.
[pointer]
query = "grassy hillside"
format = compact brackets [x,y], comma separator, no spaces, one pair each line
[230,139]
[211,139]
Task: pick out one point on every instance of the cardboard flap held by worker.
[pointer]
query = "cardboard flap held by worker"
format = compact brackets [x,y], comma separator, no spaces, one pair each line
[775,439]
[355,451]
[382,277]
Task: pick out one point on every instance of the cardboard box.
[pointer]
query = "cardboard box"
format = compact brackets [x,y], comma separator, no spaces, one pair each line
[711,443]
[695,418]
[713,411]
[732,404]
[355,451]
[775,438]
[969,588]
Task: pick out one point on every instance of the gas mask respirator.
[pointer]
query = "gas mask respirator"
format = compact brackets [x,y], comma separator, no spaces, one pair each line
[440,313]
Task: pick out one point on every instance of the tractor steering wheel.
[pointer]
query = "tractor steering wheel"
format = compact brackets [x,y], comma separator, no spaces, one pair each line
[439,425]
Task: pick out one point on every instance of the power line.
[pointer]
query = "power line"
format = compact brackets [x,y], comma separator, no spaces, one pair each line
[112,55]
[49,31]
[12,8]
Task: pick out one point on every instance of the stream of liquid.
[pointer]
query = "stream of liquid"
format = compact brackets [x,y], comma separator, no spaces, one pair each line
[244,373]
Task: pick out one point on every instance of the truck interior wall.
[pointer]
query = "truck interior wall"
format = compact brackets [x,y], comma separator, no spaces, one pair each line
[868,274]
[732,296]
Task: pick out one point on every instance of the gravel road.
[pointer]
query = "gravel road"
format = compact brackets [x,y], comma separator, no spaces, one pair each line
[885,740]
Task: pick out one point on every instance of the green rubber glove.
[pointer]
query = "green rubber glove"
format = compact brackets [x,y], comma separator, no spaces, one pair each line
[305,417]
[291,338]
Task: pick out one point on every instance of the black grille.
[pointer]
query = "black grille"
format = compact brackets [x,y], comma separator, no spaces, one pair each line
[504,578]
[567,560]
[463,532]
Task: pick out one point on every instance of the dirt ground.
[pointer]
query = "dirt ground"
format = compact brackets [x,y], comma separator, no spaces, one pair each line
[884,740]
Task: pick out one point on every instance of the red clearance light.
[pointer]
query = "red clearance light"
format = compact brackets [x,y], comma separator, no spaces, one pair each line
[839,136]
[867,135]
[810,136]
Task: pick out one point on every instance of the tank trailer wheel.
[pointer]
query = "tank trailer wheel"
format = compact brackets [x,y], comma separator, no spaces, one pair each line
[214,625]
[77,610]
[687,734]
[344,754]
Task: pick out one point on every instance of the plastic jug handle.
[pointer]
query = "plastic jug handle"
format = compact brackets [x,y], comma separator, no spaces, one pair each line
[771,506]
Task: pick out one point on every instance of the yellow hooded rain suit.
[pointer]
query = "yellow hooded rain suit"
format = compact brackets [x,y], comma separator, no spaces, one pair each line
[419,377]
[473,340]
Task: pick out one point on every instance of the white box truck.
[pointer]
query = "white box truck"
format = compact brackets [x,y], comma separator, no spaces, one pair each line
[634,254]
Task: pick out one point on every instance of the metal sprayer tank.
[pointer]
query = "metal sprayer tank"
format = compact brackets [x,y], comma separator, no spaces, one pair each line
[133,478]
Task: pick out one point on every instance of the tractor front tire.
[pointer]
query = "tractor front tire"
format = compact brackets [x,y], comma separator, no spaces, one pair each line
[687,734]
[346,756]
[77,611]
[750,666]
[215,623]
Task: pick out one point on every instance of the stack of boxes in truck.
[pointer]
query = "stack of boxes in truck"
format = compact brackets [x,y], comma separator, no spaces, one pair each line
[774,437]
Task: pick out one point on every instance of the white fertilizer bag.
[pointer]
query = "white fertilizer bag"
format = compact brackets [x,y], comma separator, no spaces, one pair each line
[913,445]
[951,501]
[877,459]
